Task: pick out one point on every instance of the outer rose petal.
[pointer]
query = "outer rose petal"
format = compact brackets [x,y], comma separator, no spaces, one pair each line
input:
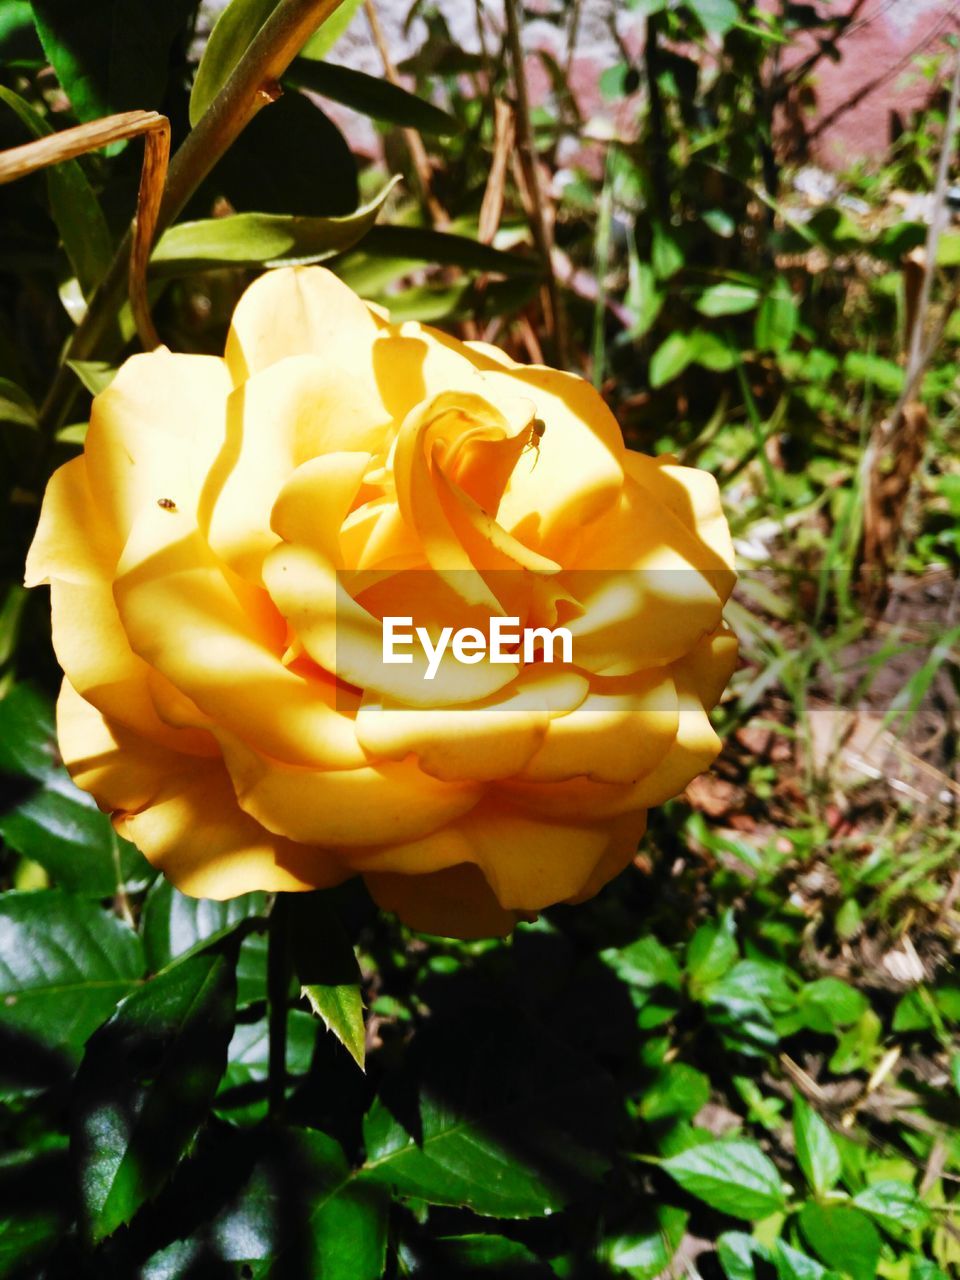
[454,903]
[529,861]
[182,813]
[299,311]
[56,551]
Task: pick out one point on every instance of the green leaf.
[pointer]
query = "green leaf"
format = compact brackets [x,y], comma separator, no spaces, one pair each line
[829,1003]
[472,1257]
[421,244]
[146,1083]
[291,159]
[73,205]
[666,253]
[649,1248]
[232,33]
[110,55]
[16,406]
[328,971]
[35,1195]
[53,822]
[874,371]
[492,1115]
[817,1152]
[791,1264]
[777,319]
[842,1237]
[727,300]
[242,1096]
[371,96]
[327,35]
[653,976]
[893,1204]
[64,964]
[260,240]
[716,16]
[679,1090]
[18,38]
[644,300]
[671,358]
[96,375]
[732,1176]
[174,924]
[712,951]
[737,1253]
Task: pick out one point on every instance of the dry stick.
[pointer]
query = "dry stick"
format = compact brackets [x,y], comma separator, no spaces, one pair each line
[919,352]
[17,162]
[418,152]
[252,84]
[528,155]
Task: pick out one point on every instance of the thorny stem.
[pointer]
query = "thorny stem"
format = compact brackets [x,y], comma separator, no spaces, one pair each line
[252,85]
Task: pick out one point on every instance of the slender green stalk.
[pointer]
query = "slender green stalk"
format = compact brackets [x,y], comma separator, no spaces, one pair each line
[279,968]
[252,85]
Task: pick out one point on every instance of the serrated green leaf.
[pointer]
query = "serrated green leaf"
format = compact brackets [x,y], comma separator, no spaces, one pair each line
[734,1177]
[893,1204]
[35,1195]
[679,1090]
[473,1257]
[242,1096]
[843,1238]
[64,964]
[370,96]
[52,821]
[261,240]
[648,1250]
[792,1264]
[273,1203]
[146,1083]
[738,1252]
[504,1120]
[110,55]
[341,1010]
[712,951]
[174,924]
[73,205]
[817,1152]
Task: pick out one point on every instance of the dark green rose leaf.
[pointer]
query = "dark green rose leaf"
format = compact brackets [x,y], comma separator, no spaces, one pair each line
[242,1097]
[328,971]
[647,1251]
[472,1257]
[35,1206]
[494,1116]
[174,923]
[50,820]
[273,1204]
[64,964]
[732,1176]
[146,1083]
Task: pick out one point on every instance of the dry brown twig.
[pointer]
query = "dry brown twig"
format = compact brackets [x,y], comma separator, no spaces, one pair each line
[17,162]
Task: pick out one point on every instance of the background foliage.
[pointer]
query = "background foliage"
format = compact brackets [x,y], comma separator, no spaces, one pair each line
[740,1060]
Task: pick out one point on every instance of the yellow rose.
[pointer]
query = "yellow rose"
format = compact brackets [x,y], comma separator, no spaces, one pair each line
[222,554]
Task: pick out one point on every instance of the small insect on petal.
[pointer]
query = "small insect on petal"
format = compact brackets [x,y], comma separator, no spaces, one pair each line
[166,504]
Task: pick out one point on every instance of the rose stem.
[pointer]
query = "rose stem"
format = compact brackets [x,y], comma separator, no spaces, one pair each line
[252,85]
[279,968]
